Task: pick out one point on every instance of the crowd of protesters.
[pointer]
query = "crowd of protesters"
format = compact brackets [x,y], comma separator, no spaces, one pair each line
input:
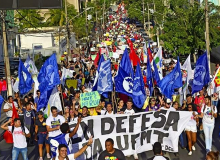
[32,126]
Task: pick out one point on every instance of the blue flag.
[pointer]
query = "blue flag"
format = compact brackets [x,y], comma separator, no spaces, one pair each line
[124,77]
[172,81]
[48,78]
[102,59]
[60,139]
[1,102]
[126,63]
[201,74]
[156,73]
[139,94]
[25,79]
[105,84]
[149,76]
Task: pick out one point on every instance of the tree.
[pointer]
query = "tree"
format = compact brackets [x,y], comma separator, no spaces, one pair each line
[28,19]
[184,27]
[57,17]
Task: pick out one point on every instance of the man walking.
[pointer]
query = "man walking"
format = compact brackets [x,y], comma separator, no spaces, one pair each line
[19,138]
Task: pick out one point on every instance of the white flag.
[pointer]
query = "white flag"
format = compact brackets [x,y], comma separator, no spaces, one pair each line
[29,64]
[189,74]
[158,59]
[66,73]
[145,53]
[54,100]
[15,86]
[36,85]
[187,66]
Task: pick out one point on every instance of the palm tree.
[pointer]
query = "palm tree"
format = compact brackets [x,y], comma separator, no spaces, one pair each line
[57,17]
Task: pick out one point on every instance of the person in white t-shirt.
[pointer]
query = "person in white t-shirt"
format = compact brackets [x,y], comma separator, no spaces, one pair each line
[208,115]
[19,138]
[53,123]
[62,152]
[168,106]
[9,106]
[191,129]
[109,110]
[129,109]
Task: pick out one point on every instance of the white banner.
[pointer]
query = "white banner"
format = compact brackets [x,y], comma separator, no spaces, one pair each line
[133,133]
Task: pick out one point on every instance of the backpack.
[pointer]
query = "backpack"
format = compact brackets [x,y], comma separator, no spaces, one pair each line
[22,128]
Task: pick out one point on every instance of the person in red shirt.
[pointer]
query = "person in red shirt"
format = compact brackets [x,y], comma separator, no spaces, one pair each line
[200,102]
[1,83]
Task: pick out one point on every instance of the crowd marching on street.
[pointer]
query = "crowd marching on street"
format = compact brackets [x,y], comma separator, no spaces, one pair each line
[126,77]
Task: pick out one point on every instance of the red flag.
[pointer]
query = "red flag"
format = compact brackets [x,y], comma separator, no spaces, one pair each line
[134,58]
[96,61]
[14,113]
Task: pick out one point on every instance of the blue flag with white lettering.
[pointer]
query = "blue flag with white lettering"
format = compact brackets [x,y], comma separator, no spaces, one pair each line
[149,76]
[172,81]
[105,84]
[102,59]
[201,73]
[25,79]
[138,94]
[1,102]
[124,77]
[48,78]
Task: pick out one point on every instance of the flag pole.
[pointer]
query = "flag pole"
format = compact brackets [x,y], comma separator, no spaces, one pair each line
[61,97]
[114,96]
[113,101]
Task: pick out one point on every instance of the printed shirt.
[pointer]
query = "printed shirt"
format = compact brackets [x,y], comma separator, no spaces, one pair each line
[53,122]
[207,114]
[18,138]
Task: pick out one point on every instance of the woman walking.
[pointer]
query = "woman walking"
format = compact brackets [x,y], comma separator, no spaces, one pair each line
[191,129]
[41,132]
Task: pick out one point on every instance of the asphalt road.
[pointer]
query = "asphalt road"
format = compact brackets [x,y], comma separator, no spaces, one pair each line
[199,154]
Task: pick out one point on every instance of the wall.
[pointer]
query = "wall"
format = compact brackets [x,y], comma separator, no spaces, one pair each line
[44,39]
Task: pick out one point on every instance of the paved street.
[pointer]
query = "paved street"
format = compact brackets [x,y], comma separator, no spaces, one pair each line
[199,154]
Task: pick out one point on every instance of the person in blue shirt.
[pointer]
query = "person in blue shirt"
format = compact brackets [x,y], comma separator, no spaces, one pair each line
[29,120]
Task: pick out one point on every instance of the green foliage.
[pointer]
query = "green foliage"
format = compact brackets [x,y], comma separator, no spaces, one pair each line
[184,28]
[57,17]
[182,25]
[28,19]
[135,10]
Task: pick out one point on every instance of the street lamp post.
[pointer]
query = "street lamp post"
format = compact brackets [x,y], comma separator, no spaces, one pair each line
[6,57]
[144,15]
[207,31]
[67,29]
[148,17]
[104,16]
